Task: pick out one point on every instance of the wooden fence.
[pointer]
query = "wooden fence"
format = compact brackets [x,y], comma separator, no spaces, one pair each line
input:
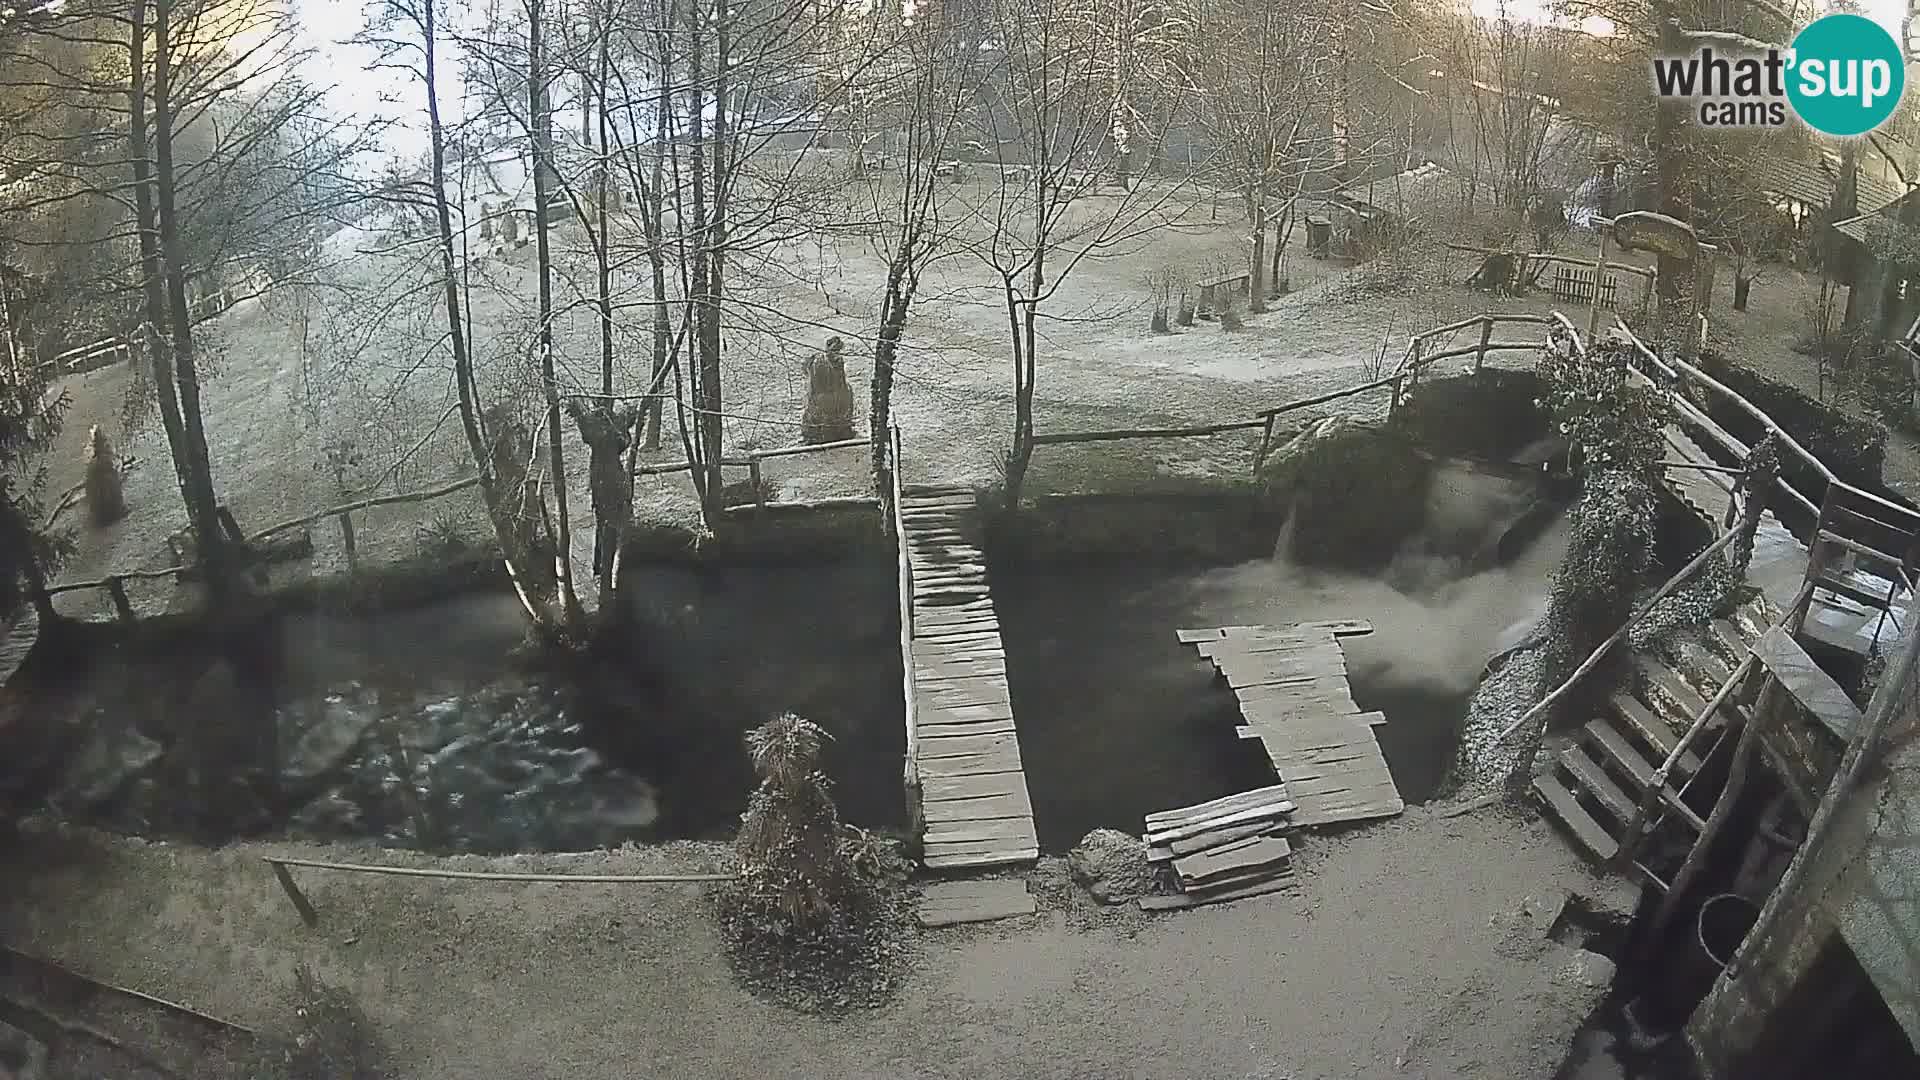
[1674,372]
[752,461]
[1405,376]
[115,584]
[897,524]
[78,361]
[311,916]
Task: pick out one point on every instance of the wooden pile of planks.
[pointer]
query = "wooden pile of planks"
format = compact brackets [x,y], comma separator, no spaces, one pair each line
[1227,849]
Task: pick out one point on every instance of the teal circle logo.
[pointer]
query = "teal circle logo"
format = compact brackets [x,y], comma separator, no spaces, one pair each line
[1847,75]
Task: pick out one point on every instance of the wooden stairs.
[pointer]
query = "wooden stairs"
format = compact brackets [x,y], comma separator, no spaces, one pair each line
[1600,771]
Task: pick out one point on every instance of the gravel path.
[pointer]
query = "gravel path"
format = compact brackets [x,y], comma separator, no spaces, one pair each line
[1402,943]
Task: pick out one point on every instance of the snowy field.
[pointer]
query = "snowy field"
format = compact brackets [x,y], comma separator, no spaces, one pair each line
[352,368]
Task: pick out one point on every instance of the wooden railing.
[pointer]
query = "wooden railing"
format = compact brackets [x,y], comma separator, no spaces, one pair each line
[115,583]
[1677,372]
[112,350]
[752,461]
[311,916]
[910,771]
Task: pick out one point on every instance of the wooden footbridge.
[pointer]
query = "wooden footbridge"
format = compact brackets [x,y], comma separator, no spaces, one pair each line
[963,765]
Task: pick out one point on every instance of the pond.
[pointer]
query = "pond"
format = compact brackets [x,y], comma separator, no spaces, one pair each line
[1118,719]
[423,728]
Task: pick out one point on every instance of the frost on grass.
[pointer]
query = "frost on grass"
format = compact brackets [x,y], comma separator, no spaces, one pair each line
[332,1040]
[816,920]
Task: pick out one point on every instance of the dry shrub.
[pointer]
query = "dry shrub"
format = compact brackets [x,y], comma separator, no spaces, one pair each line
[332,1040]
[814,920]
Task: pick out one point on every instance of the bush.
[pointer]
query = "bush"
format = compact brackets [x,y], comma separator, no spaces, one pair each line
[1853,447]
[811,921]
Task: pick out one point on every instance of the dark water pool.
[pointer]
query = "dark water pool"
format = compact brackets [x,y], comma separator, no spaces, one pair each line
[420,728]
[1119,719]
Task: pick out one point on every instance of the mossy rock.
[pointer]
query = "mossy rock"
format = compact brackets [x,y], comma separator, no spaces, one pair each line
[1356,492]
[1492,415]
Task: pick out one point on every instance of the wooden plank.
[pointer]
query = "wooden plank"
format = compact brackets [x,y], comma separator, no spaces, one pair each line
[1566,809]
[983,808]
[960,669]
[1182,901]
[949,731]
[1216,807]
[940,788]
[1269,812]
[1588,772]
[1205,840]
[1623,754]
[929,715]
[1812,687]
[1336,627]
[950,903]
[979,830]
[1237,857]
[1004,759]
[965,856]
[960,745]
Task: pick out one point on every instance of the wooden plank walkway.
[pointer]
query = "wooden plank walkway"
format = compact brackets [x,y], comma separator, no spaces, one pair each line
[973,787]
[1291,682]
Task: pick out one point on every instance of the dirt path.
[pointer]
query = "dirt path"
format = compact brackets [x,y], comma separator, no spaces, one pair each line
[1401,932]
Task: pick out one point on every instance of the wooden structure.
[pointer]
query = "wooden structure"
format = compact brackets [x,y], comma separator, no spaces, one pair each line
[1226,849]
[1223,292]
[963,753]
[950,903]
[1291,682]
[1574,284]
[1868,544]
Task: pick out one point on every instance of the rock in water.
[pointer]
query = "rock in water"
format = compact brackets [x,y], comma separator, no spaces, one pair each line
[828,416]
[322,743]
[113,754]
[1112,865]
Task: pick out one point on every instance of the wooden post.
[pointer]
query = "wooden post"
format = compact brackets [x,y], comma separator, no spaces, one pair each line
[300,903]
[753,474]
[1393,403]
[1486,338]
[1722,810]
[1266,444]
[345,518]
[1599,273]
[117,589]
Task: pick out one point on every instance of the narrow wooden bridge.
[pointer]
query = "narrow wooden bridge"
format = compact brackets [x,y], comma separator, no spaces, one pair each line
[962,746]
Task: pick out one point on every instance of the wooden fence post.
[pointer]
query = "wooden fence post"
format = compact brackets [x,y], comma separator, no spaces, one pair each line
[346,538]
[1486,338]
[300,903]
[753,477]
[117,589]
[1266,445]
[1393,403]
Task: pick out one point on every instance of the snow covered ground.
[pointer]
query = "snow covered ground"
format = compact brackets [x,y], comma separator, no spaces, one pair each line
[353,368]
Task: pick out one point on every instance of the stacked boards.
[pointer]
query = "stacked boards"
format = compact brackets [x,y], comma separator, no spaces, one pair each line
[966,753]
[1291,683]
[1227,849]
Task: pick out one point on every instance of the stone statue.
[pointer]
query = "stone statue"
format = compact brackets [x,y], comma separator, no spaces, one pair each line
[828,416]
[105,487]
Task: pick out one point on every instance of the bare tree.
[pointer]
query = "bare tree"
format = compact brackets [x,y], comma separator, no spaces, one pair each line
[1051,86]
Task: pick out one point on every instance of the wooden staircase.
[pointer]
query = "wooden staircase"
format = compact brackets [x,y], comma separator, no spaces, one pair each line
[1601,770]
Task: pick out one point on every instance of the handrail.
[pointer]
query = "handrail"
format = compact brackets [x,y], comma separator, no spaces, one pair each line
[312,917]
[1619,635]
[1656,787]
[1678,369]
[910,767]
[1060,437]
